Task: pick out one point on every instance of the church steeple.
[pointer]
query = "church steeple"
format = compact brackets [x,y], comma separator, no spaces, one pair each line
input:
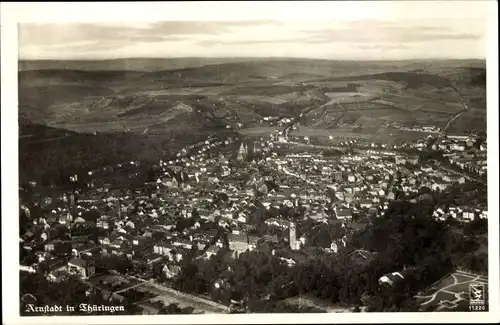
[242,152]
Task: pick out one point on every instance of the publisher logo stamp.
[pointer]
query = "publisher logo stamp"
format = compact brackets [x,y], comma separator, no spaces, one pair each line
[477,294]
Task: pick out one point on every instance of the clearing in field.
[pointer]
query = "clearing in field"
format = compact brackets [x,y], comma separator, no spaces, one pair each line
[308,301]
[451,292]
[259,130]
[168,297]
[312,132]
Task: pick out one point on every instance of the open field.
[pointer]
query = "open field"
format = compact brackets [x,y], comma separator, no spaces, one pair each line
[73,98]
[170,297]
[450,293]
[112,282]
[312,132]
[306,301]
[259,130]
[152,293]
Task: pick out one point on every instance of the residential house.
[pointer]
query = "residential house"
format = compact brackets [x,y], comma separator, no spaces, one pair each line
[366,203]
[88,249]
[57,275]
[171,271]
[240,243]
[184,243]
[400,160]
[338,244]
[412,160]
[391,278]
[211,251]
[344,214]
[82,267]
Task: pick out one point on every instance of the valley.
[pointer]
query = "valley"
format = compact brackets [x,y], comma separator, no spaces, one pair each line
[141,109]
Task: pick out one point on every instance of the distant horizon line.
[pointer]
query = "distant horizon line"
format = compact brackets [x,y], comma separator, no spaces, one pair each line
[254,58]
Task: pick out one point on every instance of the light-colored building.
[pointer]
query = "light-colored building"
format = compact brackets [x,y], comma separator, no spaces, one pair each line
[242,152]
[293,236]
[391,278]
[81,267]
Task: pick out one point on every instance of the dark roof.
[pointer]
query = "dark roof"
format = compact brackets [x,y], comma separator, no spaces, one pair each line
[273,238]
[53,263]
[358,225]
[237,238]
[345,212]
[88,246]
[78,262]
[213,249]
[253,240]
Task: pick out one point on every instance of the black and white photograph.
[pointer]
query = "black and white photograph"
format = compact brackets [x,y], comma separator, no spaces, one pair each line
[220,168]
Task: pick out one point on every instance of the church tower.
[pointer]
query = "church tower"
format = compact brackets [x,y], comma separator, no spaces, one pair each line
[242,152]
[293,236]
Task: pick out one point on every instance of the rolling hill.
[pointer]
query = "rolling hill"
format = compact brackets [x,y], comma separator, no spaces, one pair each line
[107,99]
[155,100]
[131,64]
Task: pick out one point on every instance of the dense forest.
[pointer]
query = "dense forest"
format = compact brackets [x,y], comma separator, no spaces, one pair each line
[49,156]
[406,238]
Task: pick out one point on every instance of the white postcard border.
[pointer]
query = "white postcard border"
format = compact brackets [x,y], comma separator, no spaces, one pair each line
[13,13]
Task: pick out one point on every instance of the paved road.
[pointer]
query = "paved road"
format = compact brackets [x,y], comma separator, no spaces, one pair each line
[462,101]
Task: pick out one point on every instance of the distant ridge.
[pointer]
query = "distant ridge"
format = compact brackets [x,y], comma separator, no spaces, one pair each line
[165,64]
[129,64]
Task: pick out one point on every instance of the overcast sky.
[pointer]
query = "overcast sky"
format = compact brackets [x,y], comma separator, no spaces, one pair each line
[388,38]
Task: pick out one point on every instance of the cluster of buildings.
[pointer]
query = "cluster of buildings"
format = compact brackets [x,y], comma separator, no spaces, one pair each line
[358,184]
[459,143]
[471,162]
[276,120]
[461,214]
[56,242]
[181,209]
